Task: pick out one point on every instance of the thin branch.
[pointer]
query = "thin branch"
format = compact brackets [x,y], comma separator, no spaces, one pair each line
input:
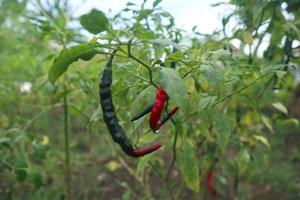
[35,118]
[61,34]
[260,22]
[141,62]
[137,76]
[174,146]
[164,181]
[67,148]
[229,95]
[173,151]
[123,162]
[264,33]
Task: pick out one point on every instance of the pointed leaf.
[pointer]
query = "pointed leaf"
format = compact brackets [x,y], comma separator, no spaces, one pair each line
[242,160]
[206,102]
[156,2]
[143,14]
[68,56]
[95,21]
[267,123]
[189,168]
[279,106]
[174,86]
[223,128]
[263,140]
[95,115]
[20,174]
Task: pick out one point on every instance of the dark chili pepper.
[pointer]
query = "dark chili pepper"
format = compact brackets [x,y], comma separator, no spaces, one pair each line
[160,100]
[110,117]
[145,111]
[209,185]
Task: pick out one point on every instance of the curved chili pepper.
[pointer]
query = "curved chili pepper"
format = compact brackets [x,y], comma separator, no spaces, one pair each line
[209,185]
[110,117]
[160,100]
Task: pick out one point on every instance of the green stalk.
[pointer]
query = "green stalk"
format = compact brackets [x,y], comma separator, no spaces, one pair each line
[67,182]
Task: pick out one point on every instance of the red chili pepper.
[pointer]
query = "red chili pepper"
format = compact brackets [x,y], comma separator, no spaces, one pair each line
[209,185]
[158,106]
[145,150]
[168,116]
[161,98]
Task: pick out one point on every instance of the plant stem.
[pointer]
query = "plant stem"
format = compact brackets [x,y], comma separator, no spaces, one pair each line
[143,186]
[141,62]
[168,188]
[174,151]
[230,95]
[67,152]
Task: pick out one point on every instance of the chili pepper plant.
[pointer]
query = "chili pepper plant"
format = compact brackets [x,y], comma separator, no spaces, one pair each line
[133,107]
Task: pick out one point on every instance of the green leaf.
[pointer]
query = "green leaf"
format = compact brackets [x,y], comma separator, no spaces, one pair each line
[21,174]
[95,21]
[279,106]
[40,150]
[220,53]
[213,74]
[5,140]
[242,160]
[95,115]
[223,128]
[189,168]
[68,56]
[294,27]
[164,43]
[174,86]
[143,162]
[156,2]
[206,102]
[280,74]
[263,140]
[21,161]
[142,33]
[130,4]
[35,178]
[143,14]
[267,123]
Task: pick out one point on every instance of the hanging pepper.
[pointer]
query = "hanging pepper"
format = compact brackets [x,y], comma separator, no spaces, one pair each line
[156,108]
[209,185]
[110,117]
[155,121]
